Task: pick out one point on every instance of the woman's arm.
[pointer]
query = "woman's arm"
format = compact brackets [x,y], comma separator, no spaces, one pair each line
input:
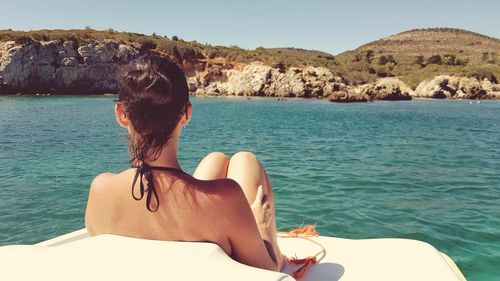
[261,210]
[247,244]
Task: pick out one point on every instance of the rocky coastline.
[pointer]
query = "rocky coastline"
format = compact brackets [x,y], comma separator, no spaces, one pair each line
[257,79]
[62,67]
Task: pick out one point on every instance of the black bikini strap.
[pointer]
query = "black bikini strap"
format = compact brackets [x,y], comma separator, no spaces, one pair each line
[145,171]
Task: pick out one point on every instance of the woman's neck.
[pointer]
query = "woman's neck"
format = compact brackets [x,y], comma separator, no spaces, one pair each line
[167,157]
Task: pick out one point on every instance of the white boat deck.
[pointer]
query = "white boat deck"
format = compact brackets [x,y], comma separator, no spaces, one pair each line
[75,256]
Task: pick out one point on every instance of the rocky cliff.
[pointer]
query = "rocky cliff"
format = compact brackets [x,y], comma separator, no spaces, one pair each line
[446,86]
[62,67]
[257,79]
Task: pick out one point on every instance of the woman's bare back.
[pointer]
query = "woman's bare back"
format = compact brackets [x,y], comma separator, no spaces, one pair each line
[189,209]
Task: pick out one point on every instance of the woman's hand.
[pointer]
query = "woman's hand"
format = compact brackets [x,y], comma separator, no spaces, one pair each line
[261,210]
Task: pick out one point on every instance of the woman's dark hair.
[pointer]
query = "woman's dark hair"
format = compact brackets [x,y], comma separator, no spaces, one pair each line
[154,94]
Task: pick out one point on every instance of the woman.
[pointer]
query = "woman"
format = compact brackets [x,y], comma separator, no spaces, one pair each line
[227,201]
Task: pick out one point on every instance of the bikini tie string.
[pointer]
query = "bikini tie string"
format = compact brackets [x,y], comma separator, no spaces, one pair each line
[144,171]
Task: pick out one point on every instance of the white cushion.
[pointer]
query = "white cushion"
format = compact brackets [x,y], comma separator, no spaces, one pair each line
[111,257]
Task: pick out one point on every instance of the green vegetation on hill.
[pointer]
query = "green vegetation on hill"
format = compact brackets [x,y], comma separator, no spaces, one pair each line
[411,56]
[416,55]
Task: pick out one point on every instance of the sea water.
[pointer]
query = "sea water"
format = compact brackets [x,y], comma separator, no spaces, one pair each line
[423,169]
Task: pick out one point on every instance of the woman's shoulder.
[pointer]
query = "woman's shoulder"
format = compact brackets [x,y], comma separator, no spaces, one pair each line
[221,187]
[227,193]
[106,180]
[101,180]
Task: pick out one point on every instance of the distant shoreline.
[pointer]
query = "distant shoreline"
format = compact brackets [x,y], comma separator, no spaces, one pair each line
[250,98]
[400,67]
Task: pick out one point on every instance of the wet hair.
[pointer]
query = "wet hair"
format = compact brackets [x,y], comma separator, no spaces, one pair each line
[154,94]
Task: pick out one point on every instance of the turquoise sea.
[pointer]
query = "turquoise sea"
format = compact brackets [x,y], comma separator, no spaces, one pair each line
[423,169]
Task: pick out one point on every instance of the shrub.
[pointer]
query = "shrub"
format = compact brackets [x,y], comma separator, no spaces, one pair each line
[383,71]
[232,56]
[280,65]
[147,44]
[368,55]
[175,38]
[434,59]
[357,57]
[383,60]
[449,59]
[211,54]
[419,60]
[481,74]
[23,39]
[41,37]
[175,52]
[364,55]
[492,58]
[462,62]
[187,51]
[484,56]
[260,50]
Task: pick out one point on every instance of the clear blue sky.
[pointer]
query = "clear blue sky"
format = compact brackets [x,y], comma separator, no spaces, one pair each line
[331,26]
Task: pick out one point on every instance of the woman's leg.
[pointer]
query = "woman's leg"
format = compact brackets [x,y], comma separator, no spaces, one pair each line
[248,172]
[213,166]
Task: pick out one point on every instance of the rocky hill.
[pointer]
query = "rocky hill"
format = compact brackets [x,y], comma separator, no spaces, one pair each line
[417,55]
[435,41]
[437,63]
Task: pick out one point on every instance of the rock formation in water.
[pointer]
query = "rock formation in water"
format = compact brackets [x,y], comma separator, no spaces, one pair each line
[387,89]
[61,67]
[382,89]
[446,86]
[257,79]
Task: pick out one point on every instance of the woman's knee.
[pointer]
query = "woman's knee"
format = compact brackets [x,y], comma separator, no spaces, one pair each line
[244,157]
[216,156]
[213,166]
